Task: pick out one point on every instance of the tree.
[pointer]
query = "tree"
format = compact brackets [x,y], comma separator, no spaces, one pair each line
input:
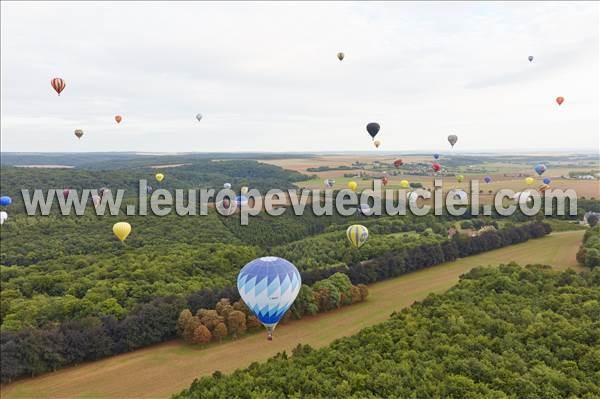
[220,331]
[210,318]
[184,319]
[201,335]
[223,307]
[593,219]
[236,323]
[252,323]
[190,329]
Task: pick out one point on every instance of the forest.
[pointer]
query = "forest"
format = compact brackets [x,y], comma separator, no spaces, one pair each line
[501,332]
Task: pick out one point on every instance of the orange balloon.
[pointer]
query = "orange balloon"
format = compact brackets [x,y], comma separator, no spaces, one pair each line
[560,100]
[118,118]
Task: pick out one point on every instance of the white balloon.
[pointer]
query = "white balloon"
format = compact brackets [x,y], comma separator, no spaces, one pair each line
[3,217]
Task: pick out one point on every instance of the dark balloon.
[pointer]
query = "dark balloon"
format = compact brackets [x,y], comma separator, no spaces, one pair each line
[373,129]
[436,167]
[398,163]
[5,201]
[530,58]
[547,180]
[487,179]
[436,156]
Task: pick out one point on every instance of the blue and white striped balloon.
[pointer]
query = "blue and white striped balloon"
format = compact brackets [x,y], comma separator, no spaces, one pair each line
[269,286]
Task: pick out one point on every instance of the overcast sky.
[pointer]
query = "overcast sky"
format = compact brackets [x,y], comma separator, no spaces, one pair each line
[266,77]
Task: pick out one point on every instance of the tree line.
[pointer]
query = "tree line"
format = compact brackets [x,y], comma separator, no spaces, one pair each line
[589,252]
[234,319]
[501,332]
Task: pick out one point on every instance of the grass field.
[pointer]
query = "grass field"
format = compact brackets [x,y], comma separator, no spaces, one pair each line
[160,371]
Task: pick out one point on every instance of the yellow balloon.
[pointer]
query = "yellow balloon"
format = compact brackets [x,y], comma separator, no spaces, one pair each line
[529,181]
[377,143]
[352,185]
[244,190]
[122,230]
[159,177]
[358,235]
[404,184]
[460,178]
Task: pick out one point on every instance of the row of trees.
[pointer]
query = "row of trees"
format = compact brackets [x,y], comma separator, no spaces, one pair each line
[235,318]
[589,252]
[32,351]
[501,332]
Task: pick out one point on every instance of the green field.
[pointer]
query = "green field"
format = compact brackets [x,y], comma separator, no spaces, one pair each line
[168,368]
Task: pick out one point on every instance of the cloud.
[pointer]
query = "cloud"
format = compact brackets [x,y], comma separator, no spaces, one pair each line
[266,77]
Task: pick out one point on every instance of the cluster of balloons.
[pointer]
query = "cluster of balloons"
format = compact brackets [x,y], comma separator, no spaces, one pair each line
[4,201]
[58,84]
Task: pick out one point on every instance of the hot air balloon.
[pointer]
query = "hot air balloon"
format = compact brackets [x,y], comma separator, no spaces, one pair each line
[66,192]
[5,200]
[96,200]
[452,139]
[436,167]
[487,179]
[529,181]
[530,58]
[118,118]
[540,169]
[543,188]
[547,180]
[385,180]
[3,217]
[241,201]
[199,117]
[244,190]
[329,182]
[436,156]
[377,143]
[103,190]
[560,100]
[159,177]
[460,178]
[340,56]
[365,209]
[227,186]
[357,235]
[373,129]
[224,207]
[398,163]
[78,133]
[58,85]
[269,286]
[122,230]
[404,184]
[149,189]
[352,185]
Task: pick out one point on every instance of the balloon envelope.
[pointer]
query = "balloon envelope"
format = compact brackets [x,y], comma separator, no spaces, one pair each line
[78,133]
[241,200]
[404,184]
[373,129]
[436,167]
[5,200]
[329,182]
[227,186]
[487,179]
[3,217]
[560,100]
[269,286]
[452,139]
[358,235]
[530,58]
[398,163]
[199,117]
[122,230]
[96,200]
[547,180]
[385,180]
[436,156]
[340,56]
[118,118]
[352,185]
[460,178]
[529,181]
[159,177]
[244,190]
[58,85]
[540,169]
[377,143]
[364,209]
